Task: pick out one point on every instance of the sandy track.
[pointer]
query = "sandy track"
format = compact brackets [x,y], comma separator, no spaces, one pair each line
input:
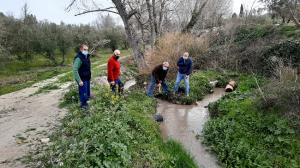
[26,118]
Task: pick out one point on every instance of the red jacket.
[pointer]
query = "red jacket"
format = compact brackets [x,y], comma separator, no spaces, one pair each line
[113,69]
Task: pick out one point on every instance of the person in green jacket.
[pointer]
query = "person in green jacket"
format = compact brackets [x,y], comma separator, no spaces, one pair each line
[82,74]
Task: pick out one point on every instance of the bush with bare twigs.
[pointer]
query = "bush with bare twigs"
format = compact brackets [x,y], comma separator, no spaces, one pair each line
[283,94]
[171,46]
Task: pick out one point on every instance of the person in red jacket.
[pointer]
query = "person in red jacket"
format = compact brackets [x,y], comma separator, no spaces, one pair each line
[114,71]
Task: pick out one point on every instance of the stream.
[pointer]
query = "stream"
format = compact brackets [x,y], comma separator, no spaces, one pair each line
[183,123]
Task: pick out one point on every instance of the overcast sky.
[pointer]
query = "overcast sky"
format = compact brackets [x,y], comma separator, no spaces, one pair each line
[54,10]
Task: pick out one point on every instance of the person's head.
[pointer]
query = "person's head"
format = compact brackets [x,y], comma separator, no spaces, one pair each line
[84,49]
[185,55]
[166,66]
[117,54]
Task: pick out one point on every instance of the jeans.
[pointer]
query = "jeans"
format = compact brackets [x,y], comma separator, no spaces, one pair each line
[118,83]
[84,93]
[152,85]
[186,82]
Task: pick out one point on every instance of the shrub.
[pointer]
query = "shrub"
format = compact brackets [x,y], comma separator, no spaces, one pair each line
[286,53]
[283,95]
[244,136]
[171,46]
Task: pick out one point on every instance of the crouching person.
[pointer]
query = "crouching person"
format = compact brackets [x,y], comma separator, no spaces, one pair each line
[82,74]
[184,70]
[158,77]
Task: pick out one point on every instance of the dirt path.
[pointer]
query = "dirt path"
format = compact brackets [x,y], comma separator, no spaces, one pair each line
[184,123]
[26,118]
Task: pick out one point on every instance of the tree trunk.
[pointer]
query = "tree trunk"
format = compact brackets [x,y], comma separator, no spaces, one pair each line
[195,15]
[63,59]
[151,21]
[154,18]
[133,40]
[293,17]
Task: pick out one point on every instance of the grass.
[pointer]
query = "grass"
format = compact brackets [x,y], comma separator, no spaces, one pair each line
[16,75]
[243,135]
[116,131]
[199,86]
[47,88]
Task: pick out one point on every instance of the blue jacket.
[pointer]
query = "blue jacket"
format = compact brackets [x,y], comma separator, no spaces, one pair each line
[185,66]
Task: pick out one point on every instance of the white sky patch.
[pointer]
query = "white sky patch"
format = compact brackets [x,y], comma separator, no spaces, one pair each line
[54,10]
[248,4]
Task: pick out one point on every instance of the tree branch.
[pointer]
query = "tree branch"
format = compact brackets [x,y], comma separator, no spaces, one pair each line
[68,8]
[131,13]
[99,10]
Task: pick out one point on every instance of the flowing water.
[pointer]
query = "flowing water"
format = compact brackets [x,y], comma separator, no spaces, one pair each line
[183,123]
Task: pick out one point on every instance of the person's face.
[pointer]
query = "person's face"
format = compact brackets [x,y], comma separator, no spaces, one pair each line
[118,54]
[185,56]
[84,48]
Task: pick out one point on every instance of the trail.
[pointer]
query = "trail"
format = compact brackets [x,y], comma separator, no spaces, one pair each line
[26,118]
[184,123]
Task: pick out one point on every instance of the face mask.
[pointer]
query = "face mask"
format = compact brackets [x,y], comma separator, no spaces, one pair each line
[184,57]
[117,57]
[165,68]
[85,53]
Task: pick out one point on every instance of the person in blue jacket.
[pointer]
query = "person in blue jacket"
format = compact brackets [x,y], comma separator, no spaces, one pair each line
[184,70]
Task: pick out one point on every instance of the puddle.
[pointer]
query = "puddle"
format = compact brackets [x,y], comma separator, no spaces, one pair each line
[183,123]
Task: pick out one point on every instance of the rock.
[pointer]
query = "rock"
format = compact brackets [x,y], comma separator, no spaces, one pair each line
[45,140]
[158,117]
[129,84]
[213,83]
[102,81]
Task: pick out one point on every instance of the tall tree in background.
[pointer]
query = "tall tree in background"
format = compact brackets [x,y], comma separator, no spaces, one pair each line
[241,11]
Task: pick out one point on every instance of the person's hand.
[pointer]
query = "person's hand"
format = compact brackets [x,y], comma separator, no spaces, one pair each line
[112,83]
[187,76]
[80,83]
[159,85]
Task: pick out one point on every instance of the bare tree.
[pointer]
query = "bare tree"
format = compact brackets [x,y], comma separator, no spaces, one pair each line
[196,13]
[122,9]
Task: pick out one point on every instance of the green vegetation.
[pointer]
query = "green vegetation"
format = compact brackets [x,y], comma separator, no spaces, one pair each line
[17,75]
[47,88]
[199,86]
[244,135]
[114,132]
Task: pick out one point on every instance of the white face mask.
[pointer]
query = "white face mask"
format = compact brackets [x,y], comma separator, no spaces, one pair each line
[165,68]
[185,57]
[85,53]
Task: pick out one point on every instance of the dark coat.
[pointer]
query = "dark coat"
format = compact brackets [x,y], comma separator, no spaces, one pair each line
[185,66]
[159,74]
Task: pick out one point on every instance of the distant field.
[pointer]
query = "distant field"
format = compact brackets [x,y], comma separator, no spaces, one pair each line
[16,75]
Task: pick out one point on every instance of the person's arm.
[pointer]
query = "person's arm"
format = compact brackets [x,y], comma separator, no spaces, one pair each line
[110,67]
[189,67]
[76,65]
[155,73]
[165,74]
